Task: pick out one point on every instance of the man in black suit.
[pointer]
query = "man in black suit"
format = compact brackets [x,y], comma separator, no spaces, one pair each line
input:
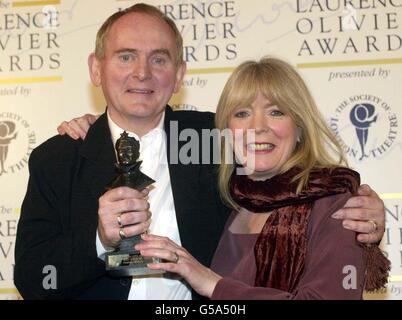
[68,222]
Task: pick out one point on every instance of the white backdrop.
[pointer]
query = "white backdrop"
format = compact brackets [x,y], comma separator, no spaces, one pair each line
[348,55]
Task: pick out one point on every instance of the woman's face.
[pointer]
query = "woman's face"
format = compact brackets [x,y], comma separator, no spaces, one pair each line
[264,137]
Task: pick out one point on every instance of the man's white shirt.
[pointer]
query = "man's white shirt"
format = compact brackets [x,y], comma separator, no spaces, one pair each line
[163,222]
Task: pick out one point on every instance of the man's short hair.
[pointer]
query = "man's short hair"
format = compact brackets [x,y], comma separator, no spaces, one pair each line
[103,32]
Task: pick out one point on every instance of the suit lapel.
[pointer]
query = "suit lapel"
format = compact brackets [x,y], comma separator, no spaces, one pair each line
[99,151]
[184,181]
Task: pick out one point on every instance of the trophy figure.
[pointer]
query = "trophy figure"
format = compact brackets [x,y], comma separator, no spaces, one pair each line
[125,260]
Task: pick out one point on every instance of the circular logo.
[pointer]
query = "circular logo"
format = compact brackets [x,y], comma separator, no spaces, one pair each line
[17,141]
[365,125]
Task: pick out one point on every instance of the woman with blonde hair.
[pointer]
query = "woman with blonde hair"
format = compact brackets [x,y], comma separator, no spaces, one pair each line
[280,241]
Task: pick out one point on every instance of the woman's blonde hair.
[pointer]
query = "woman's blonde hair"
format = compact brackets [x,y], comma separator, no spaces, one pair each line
[280,83]
[103,32]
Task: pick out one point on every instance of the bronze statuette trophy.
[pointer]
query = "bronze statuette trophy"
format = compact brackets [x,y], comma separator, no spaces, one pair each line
[125,260]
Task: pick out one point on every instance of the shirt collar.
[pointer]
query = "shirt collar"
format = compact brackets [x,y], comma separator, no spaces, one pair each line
[116,131]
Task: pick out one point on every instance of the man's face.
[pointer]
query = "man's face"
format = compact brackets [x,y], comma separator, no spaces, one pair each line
[127,155]
[138,73]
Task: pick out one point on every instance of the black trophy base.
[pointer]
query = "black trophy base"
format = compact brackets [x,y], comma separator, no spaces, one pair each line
[129,263]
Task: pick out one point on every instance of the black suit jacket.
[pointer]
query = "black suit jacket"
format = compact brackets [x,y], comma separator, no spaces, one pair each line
[59,215]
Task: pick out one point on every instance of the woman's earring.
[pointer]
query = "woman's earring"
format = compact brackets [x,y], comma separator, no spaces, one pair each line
[299,133]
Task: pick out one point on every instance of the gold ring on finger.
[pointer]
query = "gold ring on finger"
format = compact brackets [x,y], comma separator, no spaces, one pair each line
[119,220]
[176,257]
[122,234]
[374,224]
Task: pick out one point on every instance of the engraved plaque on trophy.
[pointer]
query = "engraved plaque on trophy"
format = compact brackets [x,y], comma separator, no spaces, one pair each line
[125,260]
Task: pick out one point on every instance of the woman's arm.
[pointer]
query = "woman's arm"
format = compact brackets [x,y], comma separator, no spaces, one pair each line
[77,127]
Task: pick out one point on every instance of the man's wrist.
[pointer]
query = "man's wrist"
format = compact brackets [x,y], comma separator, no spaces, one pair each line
[100,248]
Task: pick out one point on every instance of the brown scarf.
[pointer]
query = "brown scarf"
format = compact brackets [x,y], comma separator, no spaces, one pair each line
[280,249]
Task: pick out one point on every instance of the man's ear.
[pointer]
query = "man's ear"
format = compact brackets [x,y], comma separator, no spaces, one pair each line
[181,71]
[94,66]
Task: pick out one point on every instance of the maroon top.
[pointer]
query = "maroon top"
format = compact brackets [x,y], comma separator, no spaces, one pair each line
[334,260]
